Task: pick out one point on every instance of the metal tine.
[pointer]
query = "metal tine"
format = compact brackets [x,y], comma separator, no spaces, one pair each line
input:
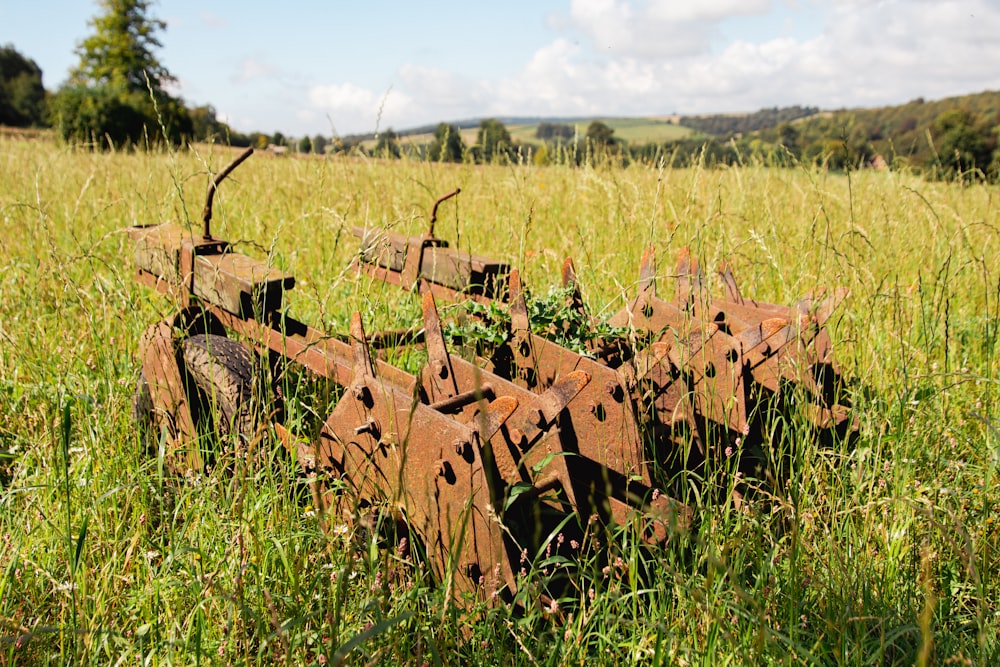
[518,305]
[690,278]
[569,280]
[647,272]
[729,281]
[363,366]
[438,359]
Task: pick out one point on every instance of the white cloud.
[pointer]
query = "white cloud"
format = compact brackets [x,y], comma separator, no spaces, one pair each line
[658,28]
[251,68]
[356,109]
[865,53]
[868,53]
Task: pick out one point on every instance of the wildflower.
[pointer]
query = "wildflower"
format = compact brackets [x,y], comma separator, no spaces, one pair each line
[560,538]
[591,594]
[746,429]
[574,544]
[404,548]
[321,659]
[729,452]
[656,494]
[308,511]
[524,556]
[554,607]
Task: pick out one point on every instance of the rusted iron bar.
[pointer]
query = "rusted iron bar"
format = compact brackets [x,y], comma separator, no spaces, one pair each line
[206,214]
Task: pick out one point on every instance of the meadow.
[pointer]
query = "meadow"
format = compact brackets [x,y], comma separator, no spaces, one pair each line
[883,550]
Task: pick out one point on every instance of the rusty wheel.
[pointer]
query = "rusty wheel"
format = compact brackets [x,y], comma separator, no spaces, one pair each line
[220,386]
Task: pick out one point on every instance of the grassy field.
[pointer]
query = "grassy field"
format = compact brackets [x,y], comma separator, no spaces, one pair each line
[884,551]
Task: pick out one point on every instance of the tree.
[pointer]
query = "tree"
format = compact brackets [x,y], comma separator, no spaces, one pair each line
[493,140]
[319,144]
[964,143]
[22,97]
[116,94]
[205,125]
[447,145]
[120,52]
[599,134]
[387,144]
[305,145]
[556,131]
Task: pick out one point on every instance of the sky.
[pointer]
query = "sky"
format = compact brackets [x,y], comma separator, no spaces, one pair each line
[336,67]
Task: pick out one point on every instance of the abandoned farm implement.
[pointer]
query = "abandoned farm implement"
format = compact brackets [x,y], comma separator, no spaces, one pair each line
[488,451]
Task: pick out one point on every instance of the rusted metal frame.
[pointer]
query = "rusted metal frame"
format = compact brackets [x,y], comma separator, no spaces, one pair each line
[206,269]
[518,451]
[601,422]
[383,443]
[164,375]
[428,263]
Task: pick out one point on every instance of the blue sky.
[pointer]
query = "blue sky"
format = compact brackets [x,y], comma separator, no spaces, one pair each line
[346,67]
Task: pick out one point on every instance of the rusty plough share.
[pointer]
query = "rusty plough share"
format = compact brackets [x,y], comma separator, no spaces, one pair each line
[482,460]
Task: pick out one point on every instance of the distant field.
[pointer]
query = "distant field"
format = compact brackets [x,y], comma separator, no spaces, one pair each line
[630,130]
[880,551]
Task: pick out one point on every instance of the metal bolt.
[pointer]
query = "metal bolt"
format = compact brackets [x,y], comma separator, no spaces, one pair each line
[592,407]
[444,470]
[517,438]
[536,417]
[461,445]
[361,393]
[612,389]
[370,427]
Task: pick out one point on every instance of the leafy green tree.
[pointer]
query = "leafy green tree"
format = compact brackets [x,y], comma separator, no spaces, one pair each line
[22,97]
[319,144]
[493,141]
[600,134]
[278,139]
[555,131]
[387,144]
[447,145]
[305,145]
[120,53]
[964,144]
[206,126]
[116,94]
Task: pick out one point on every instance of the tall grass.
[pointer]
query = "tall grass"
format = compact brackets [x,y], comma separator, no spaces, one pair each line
[884,551]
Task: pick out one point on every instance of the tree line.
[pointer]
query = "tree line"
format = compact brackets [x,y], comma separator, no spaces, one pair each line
[117,95]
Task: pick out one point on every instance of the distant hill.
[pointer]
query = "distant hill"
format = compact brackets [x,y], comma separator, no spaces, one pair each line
[523,129]
[956,136]
[721,124]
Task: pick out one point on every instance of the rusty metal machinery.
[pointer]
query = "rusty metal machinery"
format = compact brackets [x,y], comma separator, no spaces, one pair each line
[482,460]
